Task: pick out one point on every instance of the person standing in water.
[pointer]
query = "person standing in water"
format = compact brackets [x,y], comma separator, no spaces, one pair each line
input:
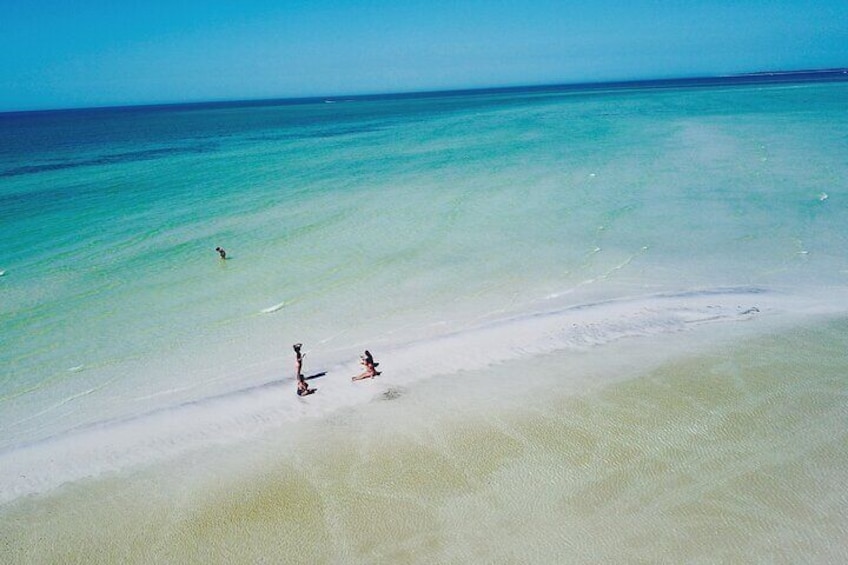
[221,252]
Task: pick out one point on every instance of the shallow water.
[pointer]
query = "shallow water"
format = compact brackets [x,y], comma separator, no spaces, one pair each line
[611,326]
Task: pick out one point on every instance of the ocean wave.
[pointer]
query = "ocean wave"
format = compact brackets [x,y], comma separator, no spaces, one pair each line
[320,133]
[272,309]
[110,159]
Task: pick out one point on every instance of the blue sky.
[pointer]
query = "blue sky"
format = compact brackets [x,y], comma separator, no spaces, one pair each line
[57,54]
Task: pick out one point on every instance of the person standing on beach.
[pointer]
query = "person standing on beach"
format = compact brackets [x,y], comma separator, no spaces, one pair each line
[298,360]
[302,388]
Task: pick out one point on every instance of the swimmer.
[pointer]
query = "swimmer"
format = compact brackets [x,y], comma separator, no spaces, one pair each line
[221,252]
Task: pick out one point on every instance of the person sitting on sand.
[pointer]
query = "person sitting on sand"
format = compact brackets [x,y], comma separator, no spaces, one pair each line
[303,388]
[221,252]
[367,361]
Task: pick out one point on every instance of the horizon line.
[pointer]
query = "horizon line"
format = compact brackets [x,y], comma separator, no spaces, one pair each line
[757,77]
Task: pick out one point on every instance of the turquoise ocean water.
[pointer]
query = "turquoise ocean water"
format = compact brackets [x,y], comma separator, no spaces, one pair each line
[611,323]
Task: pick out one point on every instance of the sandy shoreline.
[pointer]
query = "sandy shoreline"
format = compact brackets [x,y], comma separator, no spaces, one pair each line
[644,452]
[113,445]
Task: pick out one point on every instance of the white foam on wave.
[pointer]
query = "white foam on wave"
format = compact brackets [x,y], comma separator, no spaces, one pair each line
[272,309]
[116,445]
